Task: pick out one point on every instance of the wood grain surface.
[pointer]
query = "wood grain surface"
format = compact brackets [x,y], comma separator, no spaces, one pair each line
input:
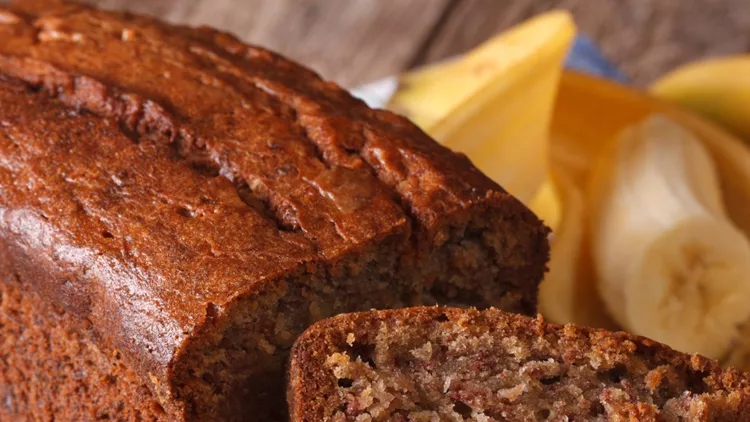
[355,41]
[645,38]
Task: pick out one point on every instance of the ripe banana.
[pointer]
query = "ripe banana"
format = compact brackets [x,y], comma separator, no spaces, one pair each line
[718,89]
[670,264]
[577,136]
[568,292]
[495,103]
[547,204]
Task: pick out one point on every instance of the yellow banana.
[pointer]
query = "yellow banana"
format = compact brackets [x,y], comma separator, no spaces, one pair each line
[588,112]
[717,88]
[548,203]
[568,293]
[503,92]
[495,103]
[670,264]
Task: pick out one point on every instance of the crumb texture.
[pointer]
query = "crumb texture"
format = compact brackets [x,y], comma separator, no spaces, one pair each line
[428,364]
[51,370]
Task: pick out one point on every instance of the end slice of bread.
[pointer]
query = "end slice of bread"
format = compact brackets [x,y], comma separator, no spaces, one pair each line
[447,364]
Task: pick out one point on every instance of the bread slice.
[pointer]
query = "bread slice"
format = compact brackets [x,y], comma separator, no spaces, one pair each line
[197,203]
[448,364]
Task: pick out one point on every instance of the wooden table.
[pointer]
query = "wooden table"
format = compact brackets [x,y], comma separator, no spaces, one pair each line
[355,41]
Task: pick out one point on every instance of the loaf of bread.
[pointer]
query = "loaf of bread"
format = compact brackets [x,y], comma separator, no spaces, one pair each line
[448,364]
[176,207]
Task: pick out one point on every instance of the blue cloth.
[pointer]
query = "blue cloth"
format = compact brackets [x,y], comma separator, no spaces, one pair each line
[585,56]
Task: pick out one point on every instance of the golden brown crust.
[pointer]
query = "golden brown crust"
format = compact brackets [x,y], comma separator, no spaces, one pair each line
[112,202]
[312,388]
[211,73]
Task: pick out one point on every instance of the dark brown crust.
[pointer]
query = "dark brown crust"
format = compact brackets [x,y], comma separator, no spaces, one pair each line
[312,387]
[144,115]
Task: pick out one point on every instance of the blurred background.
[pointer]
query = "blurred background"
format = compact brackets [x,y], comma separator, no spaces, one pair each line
[357,41]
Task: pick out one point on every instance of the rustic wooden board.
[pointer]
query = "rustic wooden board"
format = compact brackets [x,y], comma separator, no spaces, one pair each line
[354,41]
[645,38]
[347,40]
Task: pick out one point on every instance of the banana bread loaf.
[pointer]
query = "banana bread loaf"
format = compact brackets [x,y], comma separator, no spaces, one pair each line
[448,364]
[181,206]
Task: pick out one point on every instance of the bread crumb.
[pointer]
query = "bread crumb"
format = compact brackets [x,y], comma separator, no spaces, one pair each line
[512,393]
[55,35]
[424,352]
[267,347]
[127,34]
[515,347]
[447,383]
[8,18]
[481,417]
[424,416]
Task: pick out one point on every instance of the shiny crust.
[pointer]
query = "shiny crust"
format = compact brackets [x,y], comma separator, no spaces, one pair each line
[109,224]
[203,72]
[312,387]
[141,117]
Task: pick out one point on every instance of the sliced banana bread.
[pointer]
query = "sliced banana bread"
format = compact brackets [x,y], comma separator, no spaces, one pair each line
[448,364]
[196,203]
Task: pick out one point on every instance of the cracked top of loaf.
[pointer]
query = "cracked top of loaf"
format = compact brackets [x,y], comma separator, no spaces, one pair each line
[161,171]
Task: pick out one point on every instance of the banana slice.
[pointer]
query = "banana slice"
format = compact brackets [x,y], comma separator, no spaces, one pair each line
[670,264]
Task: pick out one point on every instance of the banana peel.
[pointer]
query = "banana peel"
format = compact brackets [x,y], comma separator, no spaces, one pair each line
[718,89]
[589,112]
[495,103]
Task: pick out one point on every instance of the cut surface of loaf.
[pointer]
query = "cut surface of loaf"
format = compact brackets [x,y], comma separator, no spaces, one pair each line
[54,367]
[448,364]
[196,203]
